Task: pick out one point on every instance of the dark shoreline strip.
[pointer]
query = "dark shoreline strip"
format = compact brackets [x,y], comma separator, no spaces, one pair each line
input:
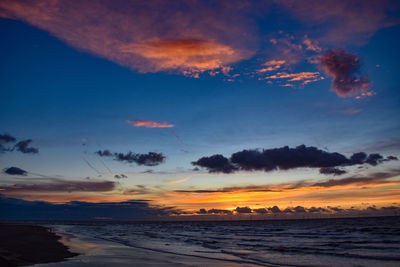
[22,245]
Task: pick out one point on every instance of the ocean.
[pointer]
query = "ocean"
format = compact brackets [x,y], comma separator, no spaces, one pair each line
[317,242]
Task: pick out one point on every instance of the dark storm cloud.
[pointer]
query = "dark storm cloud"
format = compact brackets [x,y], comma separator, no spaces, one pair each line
[147,159]
[23,146]
[17,209]
[286,158]
[345,70]
[243,210]
[15,171]
[333,171]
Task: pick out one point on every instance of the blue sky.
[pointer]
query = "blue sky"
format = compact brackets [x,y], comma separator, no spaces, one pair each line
[59,92]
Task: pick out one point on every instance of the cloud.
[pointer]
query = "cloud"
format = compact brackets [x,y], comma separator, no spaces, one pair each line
[148,159]
[23,146]
[318,209]
[311,45]
[6,138]
[104,153]
[150,124]
[243,210]
[352,111]
[188,55]
[57,185]
[348,21]
[178,181]
[285,158]
[120,176]
[274,209]
[15,171]
[215,163]
[303,77]
[380,177]
[300,190]
[345,70]
[299,209]
[17,209]
[271,65]
[260,211]
[331,170]
[219,211]
[188,37]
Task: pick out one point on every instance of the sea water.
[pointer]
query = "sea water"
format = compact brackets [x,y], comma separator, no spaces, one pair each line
[319,242]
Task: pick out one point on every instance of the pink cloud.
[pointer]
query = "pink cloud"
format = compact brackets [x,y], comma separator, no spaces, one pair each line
[188,37]
[343,21]
[149,124]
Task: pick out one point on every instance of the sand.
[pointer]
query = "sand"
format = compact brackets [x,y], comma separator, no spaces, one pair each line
[22,245]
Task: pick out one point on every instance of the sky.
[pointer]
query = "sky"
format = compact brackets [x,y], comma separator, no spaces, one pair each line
[195,108]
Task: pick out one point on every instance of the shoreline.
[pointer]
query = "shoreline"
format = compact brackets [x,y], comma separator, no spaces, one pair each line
[23,245]
[47,246]
[97,252]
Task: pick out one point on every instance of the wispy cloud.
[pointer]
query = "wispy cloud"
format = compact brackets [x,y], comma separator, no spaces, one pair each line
[352,21]
[146,159]
[150,124]
[178,181]
[271,65]
[57,185]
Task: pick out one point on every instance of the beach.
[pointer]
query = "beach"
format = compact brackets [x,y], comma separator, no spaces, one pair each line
[23,245]
[34,245]
[96,252]
[322,242]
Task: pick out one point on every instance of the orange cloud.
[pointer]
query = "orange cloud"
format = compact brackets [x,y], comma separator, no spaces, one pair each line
[151,36]
[271,65]
[378,188]
[149,124]
[295,76]
[311,45]
[352,111]
[192,55]
[305,77]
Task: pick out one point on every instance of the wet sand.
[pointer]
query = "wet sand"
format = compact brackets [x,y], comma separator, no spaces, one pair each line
[22,245]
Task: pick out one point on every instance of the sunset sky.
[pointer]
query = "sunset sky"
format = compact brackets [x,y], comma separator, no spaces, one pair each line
[190,105]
